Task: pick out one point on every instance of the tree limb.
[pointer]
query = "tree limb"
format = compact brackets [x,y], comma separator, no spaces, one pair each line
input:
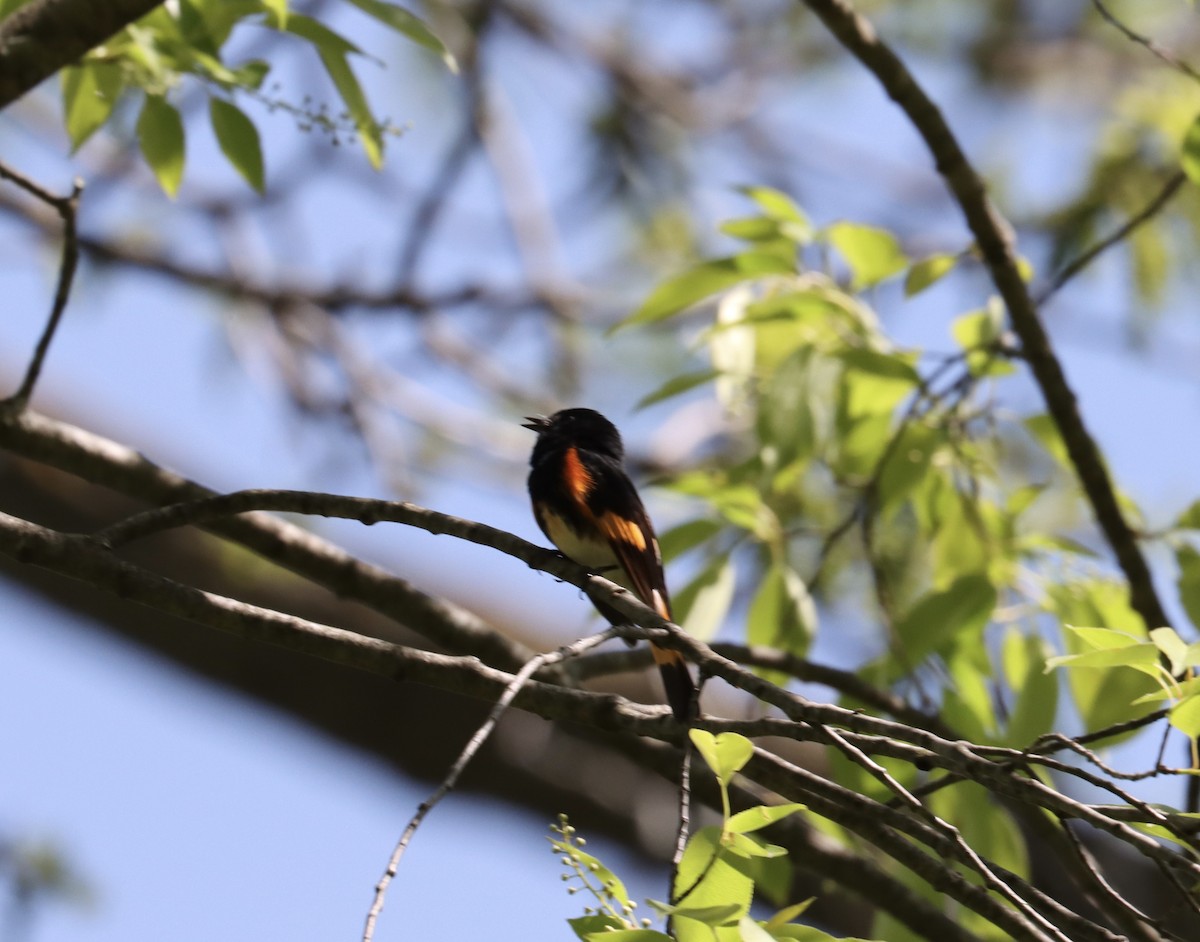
[44,36]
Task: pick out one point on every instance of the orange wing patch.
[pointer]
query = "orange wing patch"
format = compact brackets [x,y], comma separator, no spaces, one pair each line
[578,478]
[620,529]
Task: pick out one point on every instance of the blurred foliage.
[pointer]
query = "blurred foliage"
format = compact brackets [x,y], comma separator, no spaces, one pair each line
[185,41]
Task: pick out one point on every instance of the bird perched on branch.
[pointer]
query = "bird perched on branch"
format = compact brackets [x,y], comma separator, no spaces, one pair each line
[585,503]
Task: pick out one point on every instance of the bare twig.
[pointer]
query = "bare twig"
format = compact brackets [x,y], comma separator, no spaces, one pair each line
[1120,234]
[67,208]
[1146,42]
[473,746]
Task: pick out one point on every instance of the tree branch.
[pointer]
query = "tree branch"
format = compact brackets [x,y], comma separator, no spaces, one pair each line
[44,36]
[67,208]
[113,465]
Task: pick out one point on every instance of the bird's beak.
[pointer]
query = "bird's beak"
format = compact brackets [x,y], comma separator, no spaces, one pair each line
[537,423]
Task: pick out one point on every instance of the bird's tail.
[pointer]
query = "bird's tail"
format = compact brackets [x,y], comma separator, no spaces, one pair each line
[677,683]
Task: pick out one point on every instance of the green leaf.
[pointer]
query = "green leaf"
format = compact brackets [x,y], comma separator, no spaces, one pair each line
[1104,637]
[1173,648]
[704,280]
[239,141]
[160,134]
[1036,692]
[1190,518]
[940,615]
[677,385]
[277,13]
[1190,155]
[90,92]
[627,935]
[408,25]
[977,334]
[333,50]
[782,614]
[1045,431]
[687,536]
[725,753]
[584,926]
[775,204]
[720,915]
[1142,656]
[789,220]
[1185,716]
[927,272]
[704,602]
[748,846]
[751,931]
[323,39]
[724,883]
[872,254]
[1188,561]
[908,463]
[788,914]
[760,816]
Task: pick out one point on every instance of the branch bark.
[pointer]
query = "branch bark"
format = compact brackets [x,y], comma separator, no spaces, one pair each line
[44,36]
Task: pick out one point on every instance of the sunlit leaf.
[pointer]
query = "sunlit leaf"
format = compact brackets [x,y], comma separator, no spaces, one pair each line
[1143,656]
[160,134]
[90,92]
[724,753]
[928,271]
[872,254]
[585,926]
[1173,648]
[723,884]
[1190,518]
[627,935]
[703,281]
[760,816]
[1185,716]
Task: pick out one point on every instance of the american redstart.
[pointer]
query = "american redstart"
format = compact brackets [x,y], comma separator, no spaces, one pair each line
[585,503]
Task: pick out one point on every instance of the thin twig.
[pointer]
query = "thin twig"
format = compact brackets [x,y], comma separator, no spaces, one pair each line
[1146,42]
[1122,232]
[67,208]
[473,746]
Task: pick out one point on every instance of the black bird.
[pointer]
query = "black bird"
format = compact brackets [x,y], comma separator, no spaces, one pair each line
[585,503]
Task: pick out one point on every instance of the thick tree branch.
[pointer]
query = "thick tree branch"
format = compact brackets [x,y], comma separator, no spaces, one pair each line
[818,721]
[993,234]
[46,35]
[105,462]
[84,557]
